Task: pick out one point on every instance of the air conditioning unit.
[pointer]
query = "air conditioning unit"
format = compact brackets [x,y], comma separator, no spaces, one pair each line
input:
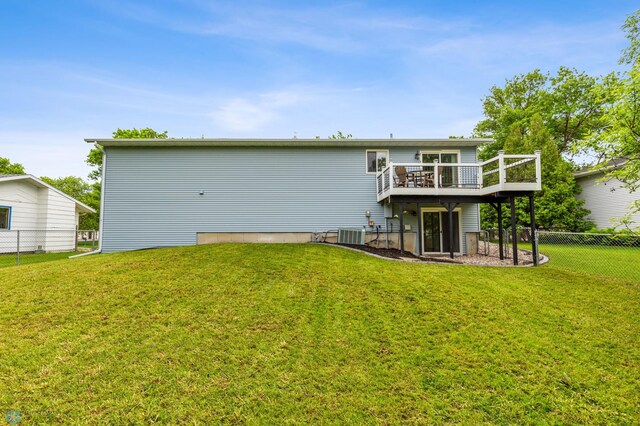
[353,236]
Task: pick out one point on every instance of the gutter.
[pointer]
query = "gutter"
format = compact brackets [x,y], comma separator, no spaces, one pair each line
[594,170]
[369,143]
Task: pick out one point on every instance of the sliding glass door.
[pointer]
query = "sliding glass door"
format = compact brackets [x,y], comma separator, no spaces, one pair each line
[448,175]
[446,246]
[435,231]
[431,231]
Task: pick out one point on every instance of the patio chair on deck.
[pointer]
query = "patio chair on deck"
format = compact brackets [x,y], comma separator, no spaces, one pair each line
[401,177]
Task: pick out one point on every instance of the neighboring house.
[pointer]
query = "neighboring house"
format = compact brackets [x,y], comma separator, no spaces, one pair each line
[606,198]
[170,192]
[46,217]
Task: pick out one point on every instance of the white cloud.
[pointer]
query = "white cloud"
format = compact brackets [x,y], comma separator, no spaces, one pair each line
[350,27]
[247,115]
[536,43]
[240,115]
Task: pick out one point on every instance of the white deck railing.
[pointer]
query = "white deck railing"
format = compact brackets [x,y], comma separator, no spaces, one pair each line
[505,172]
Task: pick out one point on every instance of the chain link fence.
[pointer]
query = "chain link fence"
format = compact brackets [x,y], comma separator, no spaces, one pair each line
[87,240]
[19,247]
[490,239]
[605,255]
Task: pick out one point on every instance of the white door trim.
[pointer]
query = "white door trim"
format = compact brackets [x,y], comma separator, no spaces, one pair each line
[458,153]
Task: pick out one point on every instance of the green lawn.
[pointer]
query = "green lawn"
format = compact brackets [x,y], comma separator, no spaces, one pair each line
[618,262]
[7,260]
[311,334]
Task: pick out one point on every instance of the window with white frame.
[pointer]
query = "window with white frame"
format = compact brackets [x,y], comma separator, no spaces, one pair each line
[376,160]
[5,217]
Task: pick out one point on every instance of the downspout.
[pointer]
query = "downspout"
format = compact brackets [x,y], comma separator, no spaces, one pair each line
[102,185]
[101,223]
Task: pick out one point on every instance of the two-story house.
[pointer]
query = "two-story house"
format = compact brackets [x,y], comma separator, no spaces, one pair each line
[169,192]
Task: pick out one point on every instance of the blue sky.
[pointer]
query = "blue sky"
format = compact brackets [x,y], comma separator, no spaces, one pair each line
[71,69]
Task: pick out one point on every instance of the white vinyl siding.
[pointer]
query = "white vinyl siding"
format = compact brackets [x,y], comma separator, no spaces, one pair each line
[608,201]
[35,209]
[23,200]
[5,217]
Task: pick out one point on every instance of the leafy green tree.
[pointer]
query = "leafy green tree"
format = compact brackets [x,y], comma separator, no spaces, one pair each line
[554,113]
[516,102]
[82,191]
[73,186]
[340,135]
[631,27]
[9,168]
[92,199]
[556,205]
[570,103]
[621,138]
[578,105]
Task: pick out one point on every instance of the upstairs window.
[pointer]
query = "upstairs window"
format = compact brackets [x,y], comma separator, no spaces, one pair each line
[5,217]
[376,160]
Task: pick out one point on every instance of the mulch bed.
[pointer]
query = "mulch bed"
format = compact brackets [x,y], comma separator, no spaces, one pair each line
[392,253]
[491,260]
[395,254]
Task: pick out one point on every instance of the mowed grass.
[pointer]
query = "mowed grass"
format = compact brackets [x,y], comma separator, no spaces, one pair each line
[311,334]
[617,262]
[7,260]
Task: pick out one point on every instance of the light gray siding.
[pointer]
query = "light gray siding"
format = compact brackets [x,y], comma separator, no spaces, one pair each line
[151,195]
[608,201]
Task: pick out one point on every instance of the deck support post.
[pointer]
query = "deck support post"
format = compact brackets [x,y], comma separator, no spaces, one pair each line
[419,235]
[450,208]
[500,231]
[534,240]
[401,228]
[514,231]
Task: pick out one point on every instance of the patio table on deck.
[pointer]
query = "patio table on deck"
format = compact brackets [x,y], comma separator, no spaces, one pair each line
[421,178]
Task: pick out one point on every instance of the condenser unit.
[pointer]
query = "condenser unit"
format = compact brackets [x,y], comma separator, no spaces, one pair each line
[353,236]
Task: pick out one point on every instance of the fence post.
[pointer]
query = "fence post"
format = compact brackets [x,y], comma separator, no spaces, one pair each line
[18,247]
[93,240]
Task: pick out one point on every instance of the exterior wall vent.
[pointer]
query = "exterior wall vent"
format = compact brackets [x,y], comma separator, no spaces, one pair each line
[353,236]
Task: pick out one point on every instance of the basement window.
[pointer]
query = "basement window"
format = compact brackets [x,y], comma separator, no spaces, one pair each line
[376,160]
[5,217]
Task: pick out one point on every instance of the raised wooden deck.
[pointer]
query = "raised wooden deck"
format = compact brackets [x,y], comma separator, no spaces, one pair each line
[501,174]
